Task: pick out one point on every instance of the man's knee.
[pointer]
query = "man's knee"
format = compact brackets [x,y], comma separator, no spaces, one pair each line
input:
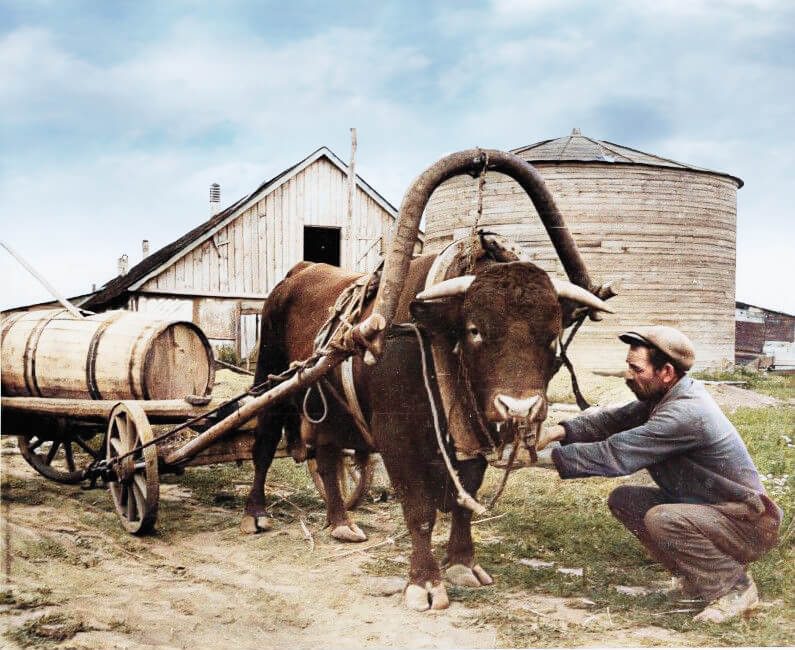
[620,498]
[662,521]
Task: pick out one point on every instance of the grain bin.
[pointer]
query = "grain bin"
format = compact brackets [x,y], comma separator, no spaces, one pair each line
[112,355]
[666,229]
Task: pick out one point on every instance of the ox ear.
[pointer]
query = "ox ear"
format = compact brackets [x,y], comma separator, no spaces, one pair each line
[439,315]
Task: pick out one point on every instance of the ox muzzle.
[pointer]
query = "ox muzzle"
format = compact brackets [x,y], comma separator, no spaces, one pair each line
[521,421]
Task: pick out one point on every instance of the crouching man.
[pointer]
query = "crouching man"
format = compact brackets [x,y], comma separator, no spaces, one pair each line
[709,516]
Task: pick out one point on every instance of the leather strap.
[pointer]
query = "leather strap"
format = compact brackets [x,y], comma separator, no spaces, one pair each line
[349,387]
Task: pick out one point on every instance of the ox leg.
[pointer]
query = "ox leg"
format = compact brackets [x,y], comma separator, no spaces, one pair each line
[461,567]
[329,462]
[425,589]
[255,519]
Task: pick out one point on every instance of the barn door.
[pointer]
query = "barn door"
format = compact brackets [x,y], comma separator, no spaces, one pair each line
[322,244]
[249,331]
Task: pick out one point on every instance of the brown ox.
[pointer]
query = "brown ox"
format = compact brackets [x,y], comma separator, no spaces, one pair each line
[498,326]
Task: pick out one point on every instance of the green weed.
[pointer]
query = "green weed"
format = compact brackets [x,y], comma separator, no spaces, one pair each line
[45,631]
[40,597]
[779,386]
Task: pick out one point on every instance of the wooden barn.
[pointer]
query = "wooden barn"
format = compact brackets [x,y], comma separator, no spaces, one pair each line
[218,274]
[665,229]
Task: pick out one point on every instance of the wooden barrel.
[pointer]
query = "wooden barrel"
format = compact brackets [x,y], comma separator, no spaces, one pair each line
[113,355]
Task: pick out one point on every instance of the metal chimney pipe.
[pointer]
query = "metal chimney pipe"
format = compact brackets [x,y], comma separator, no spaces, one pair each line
[145,249]
[215,198]
[123,265]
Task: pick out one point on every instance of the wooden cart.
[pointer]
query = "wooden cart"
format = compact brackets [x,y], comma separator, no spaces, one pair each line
[84,391]
[72,441]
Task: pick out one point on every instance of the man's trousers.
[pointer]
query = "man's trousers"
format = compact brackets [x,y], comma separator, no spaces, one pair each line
[708,546]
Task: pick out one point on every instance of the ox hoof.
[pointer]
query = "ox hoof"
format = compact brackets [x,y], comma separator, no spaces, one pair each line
[430,596]
[485,578]
[349,533]
[463,576]
[251,524]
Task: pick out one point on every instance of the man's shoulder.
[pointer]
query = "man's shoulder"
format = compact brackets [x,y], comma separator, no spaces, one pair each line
[686,401]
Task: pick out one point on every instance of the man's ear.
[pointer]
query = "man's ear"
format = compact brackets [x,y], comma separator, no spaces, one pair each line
[437,315]
[668,372]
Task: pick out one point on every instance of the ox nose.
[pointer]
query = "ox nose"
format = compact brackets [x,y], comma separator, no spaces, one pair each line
[510,407]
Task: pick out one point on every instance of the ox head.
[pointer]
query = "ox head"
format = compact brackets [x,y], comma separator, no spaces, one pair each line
[504,324]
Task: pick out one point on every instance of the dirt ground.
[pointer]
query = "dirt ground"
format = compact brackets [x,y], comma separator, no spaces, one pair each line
[198,582]
[210,588]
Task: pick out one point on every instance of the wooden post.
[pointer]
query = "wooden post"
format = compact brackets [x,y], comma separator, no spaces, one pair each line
[53,291]
[349,238]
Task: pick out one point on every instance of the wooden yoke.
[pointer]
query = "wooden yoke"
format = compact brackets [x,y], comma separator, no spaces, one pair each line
[472,162]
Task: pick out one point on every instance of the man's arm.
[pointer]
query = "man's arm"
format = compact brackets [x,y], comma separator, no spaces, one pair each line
[595,424]
[669,431]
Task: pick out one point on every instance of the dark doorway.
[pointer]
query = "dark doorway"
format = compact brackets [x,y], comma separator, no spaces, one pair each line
[322,244]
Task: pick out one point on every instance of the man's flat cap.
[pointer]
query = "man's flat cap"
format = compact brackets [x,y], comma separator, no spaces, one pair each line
[666,339]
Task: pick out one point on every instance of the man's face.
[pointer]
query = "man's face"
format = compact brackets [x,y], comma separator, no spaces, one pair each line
[642,378]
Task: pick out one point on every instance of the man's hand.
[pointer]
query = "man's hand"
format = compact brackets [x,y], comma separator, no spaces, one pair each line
[550,434]
[545,457]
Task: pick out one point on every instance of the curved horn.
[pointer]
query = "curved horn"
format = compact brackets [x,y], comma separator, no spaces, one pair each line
[578,294]
[416,198]
[451,287]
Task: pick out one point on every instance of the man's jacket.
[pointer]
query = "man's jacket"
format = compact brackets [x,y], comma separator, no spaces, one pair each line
[685,441]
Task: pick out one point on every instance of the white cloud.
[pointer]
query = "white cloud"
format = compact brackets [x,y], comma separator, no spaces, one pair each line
[704,83]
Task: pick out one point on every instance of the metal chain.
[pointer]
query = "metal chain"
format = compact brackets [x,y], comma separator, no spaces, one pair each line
[254,391]
[472,254]
[481,185]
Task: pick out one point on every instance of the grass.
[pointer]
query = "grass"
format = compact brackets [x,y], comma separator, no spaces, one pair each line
[568,523]
[39,597]
[45,631]
[778,386]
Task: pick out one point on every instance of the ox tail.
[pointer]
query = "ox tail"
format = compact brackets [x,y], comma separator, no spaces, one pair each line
[272,360]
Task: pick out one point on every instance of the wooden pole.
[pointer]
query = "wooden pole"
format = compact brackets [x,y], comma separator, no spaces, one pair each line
[55,293]
[349,238]
[160,411]
[362,333]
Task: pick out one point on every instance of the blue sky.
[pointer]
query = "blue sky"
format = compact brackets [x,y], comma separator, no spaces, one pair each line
[116,116]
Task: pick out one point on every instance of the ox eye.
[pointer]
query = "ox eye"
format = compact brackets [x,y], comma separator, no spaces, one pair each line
[474,334]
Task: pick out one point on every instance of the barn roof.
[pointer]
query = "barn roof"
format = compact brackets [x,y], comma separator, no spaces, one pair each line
[579,148]
[114,291]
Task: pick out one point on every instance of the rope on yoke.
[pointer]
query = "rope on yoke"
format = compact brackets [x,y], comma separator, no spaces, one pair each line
[564,359]
[305,404]
[464,498]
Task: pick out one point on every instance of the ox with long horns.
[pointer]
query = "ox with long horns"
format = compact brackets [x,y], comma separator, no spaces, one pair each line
[433,398]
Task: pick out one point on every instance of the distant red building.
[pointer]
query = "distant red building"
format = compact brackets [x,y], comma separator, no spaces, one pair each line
[763,337]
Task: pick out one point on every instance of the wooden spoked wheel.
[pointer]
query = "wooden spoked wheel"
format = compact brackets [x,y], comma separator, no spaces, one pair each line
[61,458]
[137,488]
[354,481]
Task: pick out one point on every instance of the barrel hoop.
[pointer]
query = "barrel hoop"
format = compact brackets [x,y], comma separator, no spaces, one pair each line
[131,367]
[91,356]
[9,323]
[29,358]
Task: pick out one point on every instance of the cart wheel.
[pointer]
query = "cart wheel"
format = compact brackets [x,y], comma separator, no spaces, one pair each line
[136,492]
[353,480]
[61,458]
